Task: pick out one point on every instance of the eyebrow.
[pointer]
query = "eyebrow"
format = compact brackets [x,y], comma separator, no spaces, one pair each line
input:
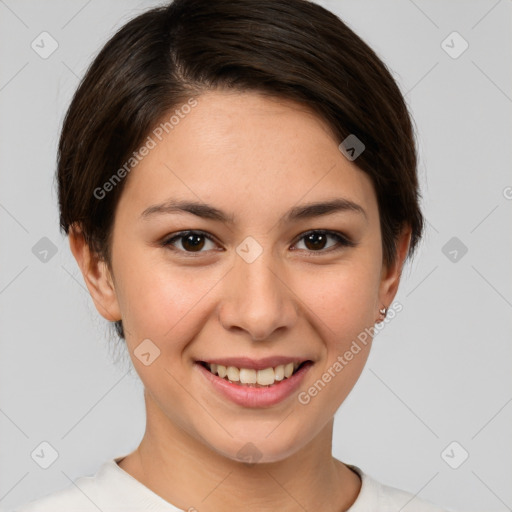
[206,211]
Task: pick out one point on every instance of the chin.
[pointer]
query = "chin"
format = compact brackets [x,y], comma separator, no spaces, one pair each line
[259,449]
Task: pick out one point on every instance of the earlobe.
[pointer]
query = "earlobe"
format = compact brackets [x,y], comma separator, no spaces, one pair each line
[96,275]
[391,274]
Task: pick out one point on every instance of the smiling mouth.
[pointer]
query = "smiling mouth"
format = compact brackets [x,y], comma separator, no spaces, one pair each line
[254,378]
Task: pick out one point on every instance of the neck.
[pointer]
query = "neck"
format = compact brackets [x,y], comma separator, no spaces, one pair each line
[192,476]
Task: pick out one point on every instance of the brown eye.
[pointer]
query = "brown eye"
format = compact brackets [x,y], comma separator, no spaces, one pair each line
[315,241]
[191,241]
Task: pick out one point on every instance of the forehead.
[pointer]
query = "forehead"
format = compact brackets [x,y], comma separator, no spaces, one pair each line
[247,152]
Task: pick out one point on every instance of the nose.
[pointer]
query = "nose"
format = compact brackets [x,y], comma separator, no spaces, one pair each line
[257,298]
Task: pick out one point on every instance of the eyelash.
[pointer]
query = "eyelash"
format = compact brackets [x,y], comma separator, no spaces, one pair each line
[343,241]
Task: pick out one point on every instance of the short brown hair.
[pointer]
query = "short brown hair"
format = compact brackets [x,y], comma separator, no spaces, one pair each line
[293,49]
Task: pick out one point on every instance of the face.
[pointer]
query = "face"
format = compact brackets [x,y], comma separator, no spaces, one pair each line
[260,283]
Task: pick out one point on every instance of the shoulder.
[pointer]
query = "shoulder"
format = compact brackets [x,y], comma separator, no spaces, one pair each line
[110,489]
[81,496]
[377,496]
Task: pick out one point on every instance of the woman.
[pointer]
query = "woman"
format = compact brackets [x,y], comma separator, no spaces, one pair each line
[238,182]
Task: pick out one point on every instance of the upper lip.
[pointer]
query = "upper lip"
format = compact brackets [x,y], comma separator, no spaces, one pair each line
[255,364]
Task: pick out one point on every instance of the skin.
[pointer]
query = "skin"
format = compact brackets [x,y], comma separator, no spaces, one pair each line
[254,157]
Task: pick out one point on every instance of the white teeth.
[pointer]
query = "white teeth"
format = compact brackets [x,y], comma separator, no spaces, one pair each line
[279,373]
[265,377]
[247,376]
[233,374]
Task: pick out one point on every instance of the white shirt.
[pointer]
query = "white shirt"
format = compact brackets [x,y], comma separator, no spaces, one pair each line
[112,489]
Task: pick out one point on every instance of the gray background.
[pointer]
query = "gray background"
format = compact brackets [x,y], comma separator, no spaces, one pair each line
[438,373]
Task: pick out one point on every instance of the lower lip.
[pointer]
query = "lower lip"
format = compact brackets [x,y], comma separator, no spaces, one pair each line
[247,396]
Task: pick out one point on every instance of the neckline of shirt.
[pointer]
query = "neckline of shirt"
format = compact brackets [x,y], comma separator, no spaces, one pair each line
[145,496]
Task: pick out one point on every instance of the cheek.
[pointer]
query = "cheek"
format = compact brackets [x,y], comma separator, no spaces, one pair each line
[160,300]
[343,299]
[340,306]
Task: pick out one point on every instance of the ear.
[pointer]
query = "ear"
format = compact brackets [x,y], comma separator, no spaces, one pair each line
[390,276]
[96,275]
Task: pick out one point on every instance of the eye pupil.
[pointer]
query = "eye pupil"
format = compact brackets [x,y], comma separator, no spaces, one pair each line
[192,238]
[314,238]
